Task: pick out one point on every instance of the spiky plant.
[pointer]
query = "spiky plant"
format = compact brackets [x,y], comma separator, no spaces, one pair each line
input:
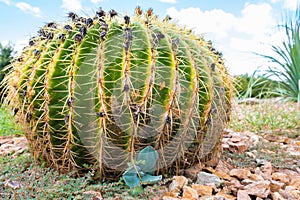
[95,91]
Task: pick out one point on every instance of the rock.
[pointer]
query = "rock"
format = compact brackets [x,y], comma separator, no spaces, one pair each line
[170,195]
[260,189]
[247,181]
[189,193]
[267,170]
[256,177]
[276,196]
[225,194]
[203,190]
[204,178]
[239,147]
[178,183]
[193,171]
[221,174]
[243,195]
[234,185]
[240,173]
[95,195]
[12,184]
[275,186]
[295,181]
[278,176]
[290,193]
[169,198]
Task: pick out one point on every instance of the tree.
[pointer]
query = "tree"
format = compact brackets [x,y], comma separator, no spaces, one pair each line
[6,55]
[288,59]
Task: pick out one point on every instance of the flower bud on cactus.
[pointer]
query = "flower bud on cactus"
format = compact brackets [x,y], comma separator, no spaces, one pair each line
[93,92]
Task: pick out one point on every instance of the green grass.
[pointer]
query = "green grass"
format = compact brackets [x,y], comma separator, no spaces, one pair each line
[37,182]
[266,116]
[8,125]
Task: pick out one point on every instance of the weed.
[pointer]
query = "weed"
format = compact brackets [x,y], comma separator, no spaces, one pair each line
[266,116]
[8,125]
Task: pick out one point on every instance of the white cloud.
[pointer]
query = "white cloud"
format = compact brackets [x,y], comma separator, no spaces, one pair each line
[25,7]
[71,5]
[7,2]
[289,4]
[168,1]
[238,37]
[214,22]
[96,1]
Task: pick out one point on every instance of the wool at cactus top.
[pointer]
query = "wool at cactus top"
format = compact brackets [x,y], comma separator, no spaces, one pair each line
[92,92]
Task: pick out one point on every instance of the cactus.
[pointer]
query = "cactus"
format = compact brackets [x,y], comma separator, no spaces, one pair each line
[93,92]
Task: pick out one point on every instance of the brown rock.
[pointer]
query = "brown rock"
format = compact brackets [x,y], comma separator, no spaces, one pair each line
[277,196]
[297,143]
[225,194]
[256,177]
[247,181]
[267,170]
[243,195]
[171,195]
[178,183]
[290,193]
[260,189]
[203,190]
[95,195]
[295,181]
[221,174]
[278,176]
[193,171]
[240,173]
[234,185]
[275,186]
[189,193]
[239,147]
[169,198]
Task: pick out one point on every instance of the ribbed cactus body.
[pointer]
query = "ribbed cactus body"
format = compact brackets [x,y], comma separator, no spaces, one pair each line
[95,92]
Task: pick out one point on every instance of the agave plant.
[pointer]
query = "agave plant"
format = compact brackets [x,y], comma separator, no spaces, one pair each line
[288,59]
[93,92]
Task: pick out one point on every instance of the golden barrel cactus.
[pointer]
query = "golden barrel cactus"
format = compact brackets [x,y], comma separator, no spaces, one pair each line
[93,92]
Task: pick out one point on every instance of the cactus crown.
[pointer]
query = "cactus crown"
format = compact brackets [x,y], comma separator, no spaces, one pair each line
[95,91]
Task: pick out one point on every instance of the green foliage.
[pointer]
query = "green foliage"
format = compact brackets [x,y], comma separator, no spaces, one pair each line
[6,56]
[287,59]
[256,86]
[140,171]
[8,125]
[266,116]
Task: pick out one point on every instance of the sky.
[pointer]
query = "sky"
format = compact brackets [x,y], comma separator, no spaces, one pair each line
[240,29]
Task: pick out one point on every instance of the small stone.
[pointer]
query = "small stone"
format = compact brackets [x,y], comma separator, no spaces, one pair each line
[278,176]
[295,181]
[189,193]
[256,177]
[277,196]
[234,185]
[178,183]
[275,186]
[260,189]
[95,195]
[243,195]
[247,181]
[208,179]
[267,170]
[193,171]
[290,193]
[297,143]
[239,147]
[240,173]
[203,190]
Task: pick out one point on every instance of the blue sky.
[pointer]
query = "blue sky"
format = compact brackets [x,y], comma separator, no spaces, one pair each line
[237,27]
